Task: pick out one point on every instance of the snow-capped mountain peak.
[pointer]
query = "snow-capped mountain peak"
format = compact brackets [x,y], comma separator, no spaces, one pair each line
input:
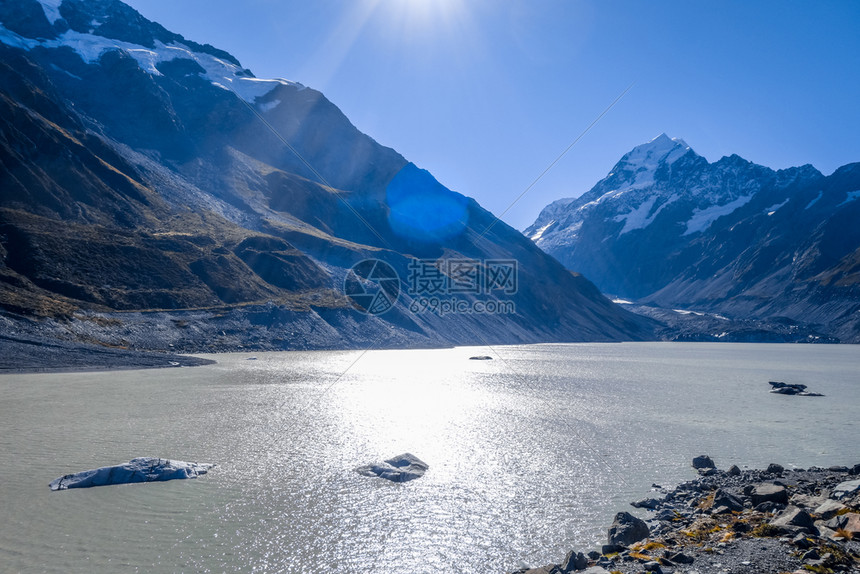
[661,149]
[731,235]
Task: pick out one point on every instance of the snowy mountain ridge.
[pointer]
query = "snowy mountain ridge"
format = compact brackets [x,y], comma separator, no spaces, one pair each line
[90,46]
[665,226]
[641,186]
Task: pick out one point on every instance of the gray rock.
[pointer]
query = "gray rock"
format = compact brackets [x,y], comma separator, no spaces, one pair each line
[626,529]
[594,555]
[596,570]
[703,461]
[848,522]
[793,516]
[666,515]
[807,501]
[734,470]
[401,468]
[653,566]
[724,498]
[649,503]
[573,562]
[768,506]
[810,555]
[681,558]
[802,541]
[846,489]
[829,509]
[774,468]
[769,493]
[612,548]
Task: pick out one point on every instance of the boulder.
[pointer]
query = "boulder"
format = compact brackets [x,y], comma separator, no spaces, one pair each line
[848,522]
[481,358]
[793,516]
[829,509]
[142,469]
[846,489]
[680,558]
[734,470]
[703,461]
[612,549]
[727,499]
[573,562]
[401,468]
[807,501]
[649,503]
[769,493]
[774,468]
[626,529]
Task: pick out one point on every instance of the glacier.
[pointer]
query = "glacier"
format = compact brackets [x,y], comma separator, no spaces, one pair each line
[703,218]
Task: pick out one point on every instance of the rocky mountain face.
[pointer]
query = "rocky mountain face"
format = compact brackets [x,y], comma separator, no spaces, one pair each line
[775,254]
[154,194]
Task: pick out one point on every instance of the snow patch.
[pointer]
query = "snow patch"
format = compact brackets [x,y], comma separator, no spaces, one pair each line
[639,218]
[539,233]
[622,302]
[774,208]
[852,195]
[703,218]
[12,39]
[51,9]
[90,47]
[268,106]
[814,201]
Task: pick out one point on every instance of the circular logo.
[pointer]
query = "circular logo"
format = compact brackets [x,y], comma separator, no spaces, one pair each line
[372,285]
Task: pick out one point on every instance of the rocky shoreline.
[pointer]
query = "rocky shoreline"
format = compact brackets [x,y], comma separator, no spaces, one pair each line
[735,522]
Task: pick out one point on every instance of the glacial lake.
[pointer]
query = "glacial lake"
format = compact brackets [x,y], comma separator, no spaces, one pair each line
[530,454]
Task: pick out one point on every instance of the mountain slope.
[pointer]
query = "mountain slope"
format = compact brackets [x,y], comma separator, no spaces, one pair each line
[153,183]
[667,228]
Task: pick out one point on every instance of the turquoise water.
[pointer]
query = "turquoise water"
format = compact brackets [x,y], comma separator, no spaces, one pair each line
[530,454]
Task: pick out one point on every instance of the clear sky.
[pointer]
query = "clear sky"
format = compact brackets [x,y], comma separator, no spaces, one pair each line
[487,93]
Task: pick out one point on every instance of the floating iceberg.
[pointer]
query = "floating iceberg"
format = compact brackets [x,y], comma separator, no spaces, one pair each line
[143,469]
[401,468]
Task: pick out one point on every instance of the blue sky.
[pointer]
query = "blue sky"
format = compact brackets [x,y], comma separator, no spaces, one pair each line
[487,93]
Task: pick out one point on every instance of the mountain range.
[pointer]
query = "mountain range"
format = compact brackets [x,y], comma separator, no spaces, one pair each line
[155,194]
[728,250]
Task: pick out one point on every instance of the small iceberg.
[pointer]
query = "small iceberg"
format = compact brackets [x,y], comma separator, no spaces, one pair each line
[401,468]
[481,358]
[794,389]
[143,469]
